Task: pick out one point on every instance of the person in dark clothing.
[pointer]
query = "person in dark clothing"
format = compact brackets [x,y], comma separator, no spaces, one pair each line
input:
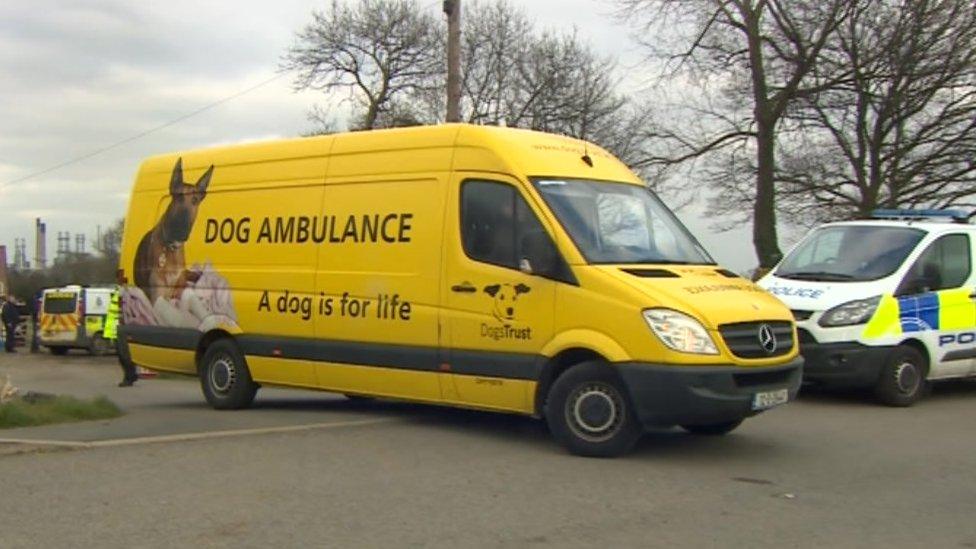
[10,317]
[110,332]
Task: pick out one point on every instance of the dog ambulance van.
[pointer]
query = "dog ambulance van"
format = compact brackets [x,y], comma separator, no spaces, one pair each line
[73,317]
[481,267]
[887,303]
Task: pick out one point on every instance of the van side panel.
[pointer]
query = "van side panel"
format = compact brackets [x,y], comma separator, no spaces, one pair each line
[378,280]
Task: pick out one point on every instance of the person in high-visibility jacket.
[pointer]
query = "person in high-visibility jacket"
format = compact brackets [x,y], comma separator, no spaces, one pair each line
[110,332]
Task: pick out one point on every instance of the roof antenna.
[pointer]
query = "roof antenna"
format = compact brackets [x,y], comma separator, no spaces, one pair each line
[589,161]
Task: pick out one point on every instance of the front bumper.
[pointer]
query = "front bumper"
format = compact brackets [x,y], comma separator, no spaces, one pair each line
[846,364]
[665,395]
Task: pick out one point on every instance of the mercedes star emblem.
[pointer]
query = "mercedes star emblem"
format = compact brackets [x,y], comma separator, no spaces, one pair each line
[767,339]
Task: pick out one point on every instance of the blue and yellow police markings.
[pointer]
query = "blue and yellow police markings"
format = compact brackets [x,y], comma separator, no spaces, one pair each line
[941,311]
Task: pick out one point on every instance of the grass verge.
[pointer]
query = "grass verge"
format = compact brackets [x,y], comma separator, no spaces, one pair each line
[57,409]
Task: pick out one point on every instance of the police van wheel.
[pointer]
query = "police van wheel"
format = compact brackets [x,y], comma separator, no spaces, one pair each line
[99,346]
[224,377]
[58,350]
[902,380]
[713,429]
[589,413]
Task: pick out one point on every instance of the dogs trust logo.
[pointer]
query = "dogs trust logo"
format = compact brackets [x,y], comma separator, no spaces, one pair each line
[160,265]
[506,298]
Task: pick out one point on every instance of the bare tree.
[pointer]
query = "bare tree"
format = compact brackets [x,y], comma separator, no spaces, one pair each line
[902,131]
[382,51]
[517,76]
[751,59]
[391,56]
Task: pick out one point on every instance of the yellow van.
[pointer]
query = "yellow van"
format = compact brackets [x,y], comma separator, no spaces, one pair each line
[482,267]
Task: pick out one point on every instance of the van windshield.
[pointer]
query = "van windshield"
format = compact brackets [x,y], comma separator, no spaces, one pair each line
[620,223]
[853,253]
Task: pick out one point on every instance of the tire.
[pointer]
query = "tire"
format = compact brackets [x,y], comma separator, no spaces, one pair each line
[902,380]
[59,351]
[99,345]
[713,429]
[589,413]
[224,377]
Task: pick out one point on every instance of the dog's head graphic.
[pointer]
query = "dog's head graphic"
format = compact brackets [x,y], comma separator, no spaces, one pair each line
[506,296]
[185,200]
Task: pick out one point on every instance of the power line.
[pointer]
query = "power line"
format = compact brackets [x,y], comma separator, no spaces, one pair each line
[140,135]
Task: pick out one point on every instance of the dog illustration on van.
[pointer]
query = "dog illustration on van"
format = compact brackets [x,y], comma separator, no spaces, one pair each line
[160,264]
[506,297]
[167,292]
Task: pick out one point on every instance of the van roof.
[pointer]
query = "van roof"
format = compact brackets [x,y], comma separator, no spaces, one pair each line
[472,147]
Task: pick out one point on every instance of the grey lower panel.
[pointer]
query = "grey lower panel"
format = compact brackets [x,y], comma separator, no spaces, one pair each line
[407,357]
[158,336]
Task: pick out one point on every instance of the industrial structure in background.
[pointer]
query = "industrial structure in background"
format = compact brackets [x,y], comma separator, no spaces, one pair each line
[3,270]
[21,260]
[20,254]
[40,244]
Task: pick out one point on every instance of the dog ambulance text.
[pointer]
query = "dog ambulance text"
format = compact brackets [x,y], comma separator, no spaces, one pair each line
[298,229]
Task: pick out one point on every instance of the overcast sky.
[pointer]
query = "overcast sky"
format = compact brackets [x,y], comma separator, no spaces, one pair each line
[77,76]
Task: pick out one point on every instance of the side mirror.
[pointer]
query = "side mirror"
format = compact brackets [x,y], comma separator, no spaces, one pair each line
[537,255]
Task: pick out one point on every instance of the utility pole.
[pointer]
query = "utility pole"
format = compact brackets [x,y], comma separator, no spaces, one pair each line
[453,10]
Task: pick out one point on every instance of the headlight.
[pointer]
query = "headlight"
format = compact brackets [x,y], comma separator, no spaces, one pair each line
[680,332]
[850,313]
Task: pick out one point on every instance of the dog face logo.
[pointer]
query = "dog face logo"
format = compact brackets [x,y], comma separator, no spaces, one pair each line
[160,263]
[506,296]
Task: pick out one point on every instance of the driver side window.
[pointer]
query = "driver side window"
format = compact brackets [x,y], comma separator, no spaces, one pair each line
[945,264]
[498,227]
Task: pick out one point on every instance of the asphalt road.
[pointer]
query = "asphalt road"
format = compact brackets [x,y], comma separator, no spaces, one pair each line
[828,470]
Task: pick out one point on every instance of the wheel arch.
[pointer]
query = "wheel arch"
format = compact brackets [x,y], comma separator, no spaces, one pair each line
[555,367]
[206,341]
[919,346]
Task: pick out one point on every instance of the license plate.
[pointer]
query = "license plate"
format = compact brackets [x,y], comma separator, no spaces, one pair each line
[768,399]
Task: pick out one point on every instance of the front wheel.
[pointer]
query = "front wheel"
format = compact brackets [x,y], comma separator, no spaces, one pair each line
[224,377]
[589,413]
[713,429]
[902,380]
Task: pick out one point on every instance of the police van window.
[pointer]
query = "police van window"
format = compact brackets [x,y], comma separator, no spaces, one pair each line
[497,223]
[60,304]
[945,264]
[850,253]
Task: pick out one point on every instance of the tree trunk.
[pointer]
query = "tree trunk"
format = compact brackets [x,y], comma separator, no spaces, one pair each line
[764,237]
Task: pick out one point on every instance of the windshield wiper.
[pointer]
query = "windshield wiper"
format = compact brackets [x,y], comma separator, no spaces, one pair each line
[815,275]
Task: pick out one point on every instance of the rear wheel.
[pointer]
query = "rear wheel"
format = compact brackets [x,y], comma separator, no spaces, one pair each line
[99,345]
[713,429]
[589,413]
[902,380]
[58,350]
[224,377]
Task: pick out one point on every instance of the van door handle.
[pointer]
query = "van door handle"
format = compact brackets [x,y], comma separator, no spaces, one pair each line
[972,295]
[464,288]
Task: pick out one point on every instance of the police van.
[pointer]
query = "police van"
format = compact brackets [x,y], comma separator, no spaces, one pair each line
[887,303]
[73,317]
